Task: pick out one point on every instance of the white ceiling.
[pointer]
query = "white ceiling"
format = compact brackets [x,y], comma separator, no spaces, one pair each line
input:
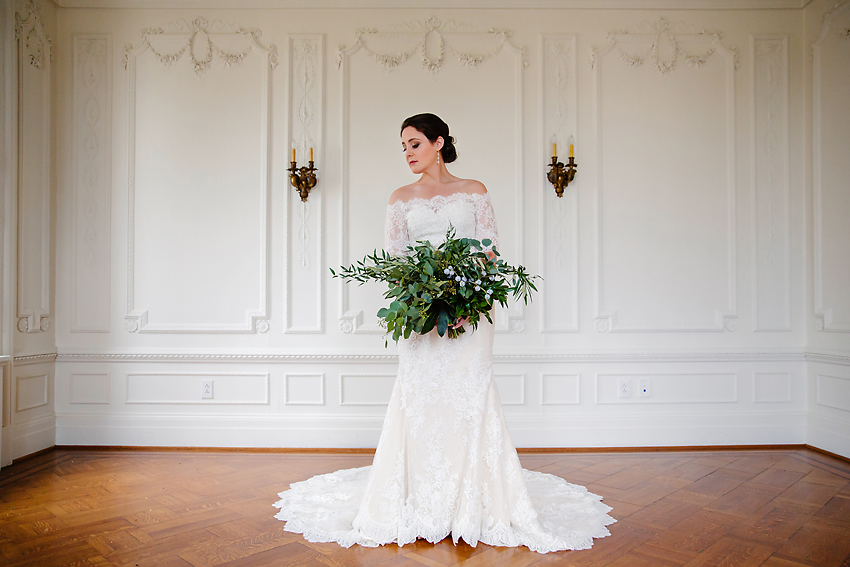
[444,4]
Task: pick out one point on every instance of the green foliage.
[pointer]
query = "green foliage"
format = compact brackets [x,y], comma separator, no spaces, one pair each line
[440,286]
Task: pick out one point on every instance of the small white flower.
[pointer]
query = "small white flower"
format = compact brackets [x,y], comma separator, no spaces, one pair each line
[492,278]
[477,282]
[478,288]
[446,271]
[457,278]
[464,279]
[462,284]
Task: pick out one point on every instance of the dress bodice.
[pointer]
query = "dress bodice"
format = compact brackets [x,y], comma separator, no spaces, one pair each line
[470,214]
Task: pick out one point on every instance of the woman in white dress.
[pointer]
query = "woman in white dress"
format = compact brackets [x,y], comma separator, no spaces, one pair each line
[444,463]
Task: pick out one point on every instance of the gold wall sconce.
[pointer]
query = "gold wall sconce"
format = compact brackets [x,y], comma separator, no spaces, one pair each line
[561,175]
[303,178]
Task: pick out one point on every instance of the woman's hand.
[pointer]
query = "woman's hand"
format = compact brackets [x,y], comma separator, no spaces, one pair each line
[459,323]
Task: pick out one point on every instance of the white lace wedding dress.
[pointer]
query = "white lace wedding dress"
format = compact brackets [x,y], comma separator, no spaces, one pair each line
[445,463]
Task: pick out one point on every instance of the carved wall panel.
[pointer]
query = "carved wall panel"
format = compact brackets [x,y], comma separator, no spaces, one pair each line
[184,388]
[31,392]
[833,391]
[666,201]
[678,388]
[92,164]
[482,66]
[34,59]
[198,179]
[772,223]
[304,260]
[831,129]
[304,389]
[559,231]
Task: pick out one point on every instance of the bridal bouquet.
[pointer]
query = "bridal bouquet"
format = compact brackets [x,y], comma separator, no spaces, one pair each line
[441,286]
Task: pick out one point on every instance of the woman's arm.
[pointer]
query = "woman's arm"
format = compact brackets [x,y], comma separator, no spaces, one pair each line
[395,234]
[485,224]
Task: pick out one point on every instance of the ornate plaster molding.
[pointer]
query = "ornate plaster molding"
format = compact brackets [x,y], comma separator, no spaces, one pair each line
[199,34]
[29,28]
[432,40]
[573,357]
[829,21]
[306,105]
[658,33]
[35,358]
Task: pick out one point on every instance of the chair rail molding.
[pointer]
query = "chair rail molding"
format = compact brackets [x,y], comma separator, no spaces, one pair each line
[208,37]
[416,36]
[634,48]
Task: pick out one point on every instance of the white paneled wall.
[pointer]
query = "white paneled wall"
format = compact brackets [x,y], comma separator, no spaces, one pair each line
[29,222]
[828,86]
[696,272]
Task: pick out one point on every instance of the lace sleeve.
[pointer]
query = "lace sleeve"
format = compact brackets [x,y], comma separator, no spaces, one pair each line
[485,221]
[395,235]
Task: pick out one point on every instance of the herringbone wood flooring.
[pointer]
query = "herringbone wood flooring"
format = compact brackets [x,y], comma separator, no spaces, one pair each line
[783,508]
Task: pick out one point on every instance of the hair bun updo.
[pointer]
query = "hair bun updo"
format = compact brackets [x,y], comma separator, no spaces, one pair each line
[433,127]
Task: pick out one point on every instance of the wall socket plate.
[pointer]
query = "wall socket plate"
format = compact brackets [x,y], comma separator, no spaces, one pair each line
[206,389]
[624,388]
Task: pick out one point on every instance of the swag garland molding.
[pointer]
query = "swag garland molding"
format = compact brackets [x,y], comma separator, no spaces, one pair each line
[665,49]
[433,39]
[203,35]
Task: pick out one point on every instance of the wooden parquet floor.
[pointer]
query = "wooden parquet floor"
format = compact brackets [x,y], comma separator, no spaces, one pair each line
[784,508]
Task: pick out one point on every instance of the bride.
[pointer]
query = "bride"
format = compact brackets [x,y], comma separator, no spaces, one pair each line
[444,463]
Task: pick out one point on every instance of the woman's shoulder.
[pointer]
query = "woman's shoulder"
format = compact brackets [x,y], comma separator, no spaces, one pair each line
[402,194]
[471,186]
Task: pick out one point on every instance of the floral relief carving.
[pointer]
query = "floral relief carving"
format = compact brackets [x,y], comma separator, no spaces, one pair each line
[305,57]
[559,79]
[432,40]
[200,40]
[29,27]
[665,48]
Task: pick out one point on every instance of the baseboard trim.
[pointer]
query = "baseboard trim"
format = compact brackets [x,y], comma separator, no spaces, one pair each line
[370,451]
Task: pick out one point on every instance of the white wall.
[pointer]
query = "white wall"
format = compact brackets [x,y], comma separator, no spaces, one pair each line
[679,255]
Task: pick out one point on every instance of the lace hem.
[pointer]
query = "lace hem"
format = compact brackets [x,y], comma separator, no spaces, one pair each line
[323,510]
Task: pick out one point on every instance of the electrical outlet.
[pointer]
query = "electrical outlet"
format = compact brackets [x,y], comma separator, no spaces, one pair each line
[643,388]
[624,388]
[206,389]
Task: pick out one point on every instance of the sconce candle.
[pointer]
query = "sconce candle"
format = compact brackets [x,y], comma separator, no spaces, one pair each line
[303,179]
[561,175]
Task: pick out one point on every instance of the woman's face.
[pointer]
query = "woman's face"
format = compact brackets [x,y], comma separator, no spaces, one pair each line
[419,152]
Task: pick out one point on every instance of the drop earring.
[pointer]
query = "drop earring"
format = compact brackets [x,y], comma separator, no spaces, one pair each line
[438,157]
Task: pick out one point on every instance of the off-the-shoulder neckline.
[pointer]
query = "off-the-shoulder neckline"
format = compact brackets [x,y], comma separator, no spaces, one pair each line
[439,197]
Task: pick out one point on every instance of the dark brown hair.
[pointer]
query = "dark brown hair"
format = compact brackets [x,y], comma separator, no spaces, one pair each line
[433,127]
